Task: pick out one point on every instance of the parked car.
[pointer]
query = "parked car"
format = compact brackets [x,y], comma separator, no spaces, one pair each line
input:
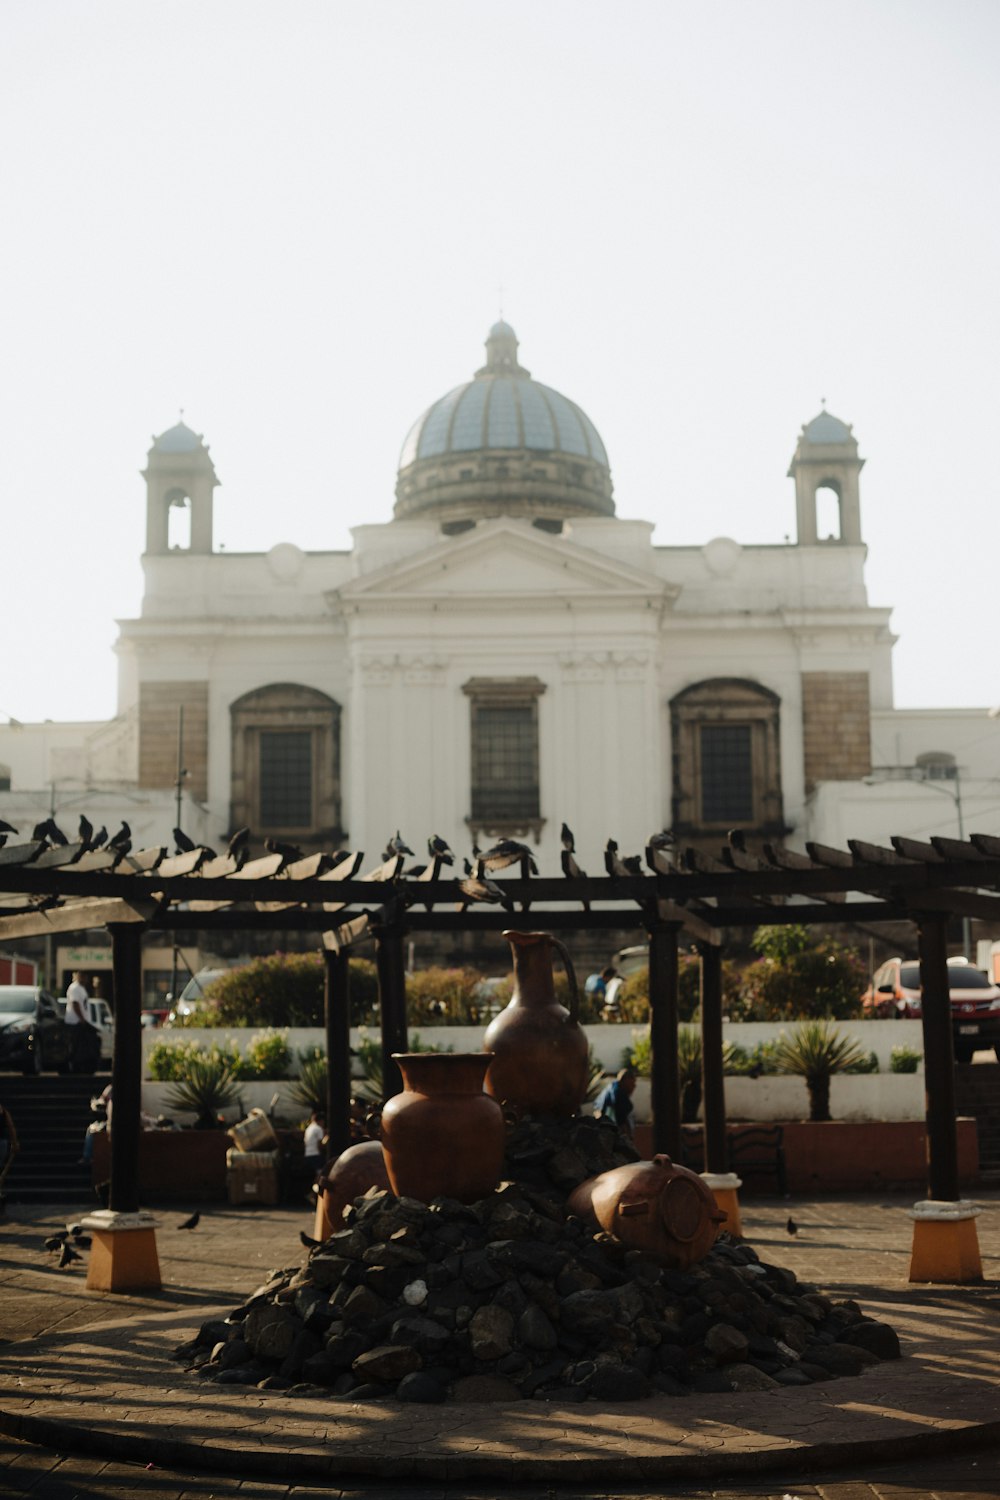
[191,995]
[34,1036]
[894,994]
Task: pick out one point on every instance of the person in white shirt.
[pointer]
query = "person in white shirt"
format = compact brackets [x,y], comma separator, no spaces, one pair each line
[77,1018]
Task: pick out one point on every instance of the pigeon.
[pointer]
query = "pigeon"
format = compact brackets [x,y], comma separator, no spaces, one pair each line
[397,845]
[290,854]
[308,1241]
[86,831]
[664,841]
[191,1223]
[100,837]
[68,1255]
[481,888]
[182,843]
[467,867]
[614,865]
[438,848]
[791,1226]
[633,864]
[122,838]
[50,830]
[568,841]
[56,1241]
[7,827]
[508,852]
[239,846]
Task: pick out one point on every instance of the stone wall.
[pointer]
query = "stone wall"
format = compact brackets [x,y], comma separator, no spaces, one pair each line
[836,725]
[159,703]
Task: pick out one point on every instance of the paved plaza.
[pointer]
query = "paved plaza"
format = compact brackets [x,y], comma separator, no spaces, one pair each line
[88,1375]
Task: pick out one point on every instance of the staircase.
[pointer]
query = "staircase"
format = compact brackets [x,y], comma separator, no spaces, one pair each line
[977,1093]
[51,1115]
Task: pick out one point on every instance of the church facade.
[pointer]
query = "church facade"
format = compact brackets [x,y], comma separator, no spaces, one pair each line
[506,653]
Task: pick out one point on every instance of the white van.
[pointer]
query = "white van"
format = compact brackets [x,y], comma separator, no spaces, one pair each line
[100,1017]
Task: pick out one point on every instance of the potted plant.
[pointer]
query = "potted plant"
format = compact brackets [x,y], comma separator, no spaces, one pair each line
[207,1086]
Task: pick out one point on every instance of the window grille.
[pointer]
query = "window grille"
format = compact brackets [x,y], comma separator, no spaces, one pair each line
[726,773]
[504,761]
[286,779]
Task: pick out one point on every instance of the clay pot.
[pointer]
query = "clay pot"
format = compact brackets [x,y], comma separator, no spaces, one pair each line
[442,1136]
[356,1170]
[540,1065]
[654,1206]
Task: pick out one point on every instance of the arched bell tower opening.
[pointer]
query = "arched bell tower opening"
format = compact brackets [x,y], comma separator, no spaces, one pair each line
[180,478]
[825,468]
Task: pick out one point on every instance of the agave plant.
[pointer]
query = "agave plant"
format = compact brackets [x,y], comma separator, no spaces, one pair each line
[208,1085]
[815,1051]
[689,1071]
[309,1089]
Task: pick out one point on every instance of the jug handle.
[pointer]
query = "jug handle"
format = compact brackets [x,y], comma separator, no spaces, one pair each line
[574,989]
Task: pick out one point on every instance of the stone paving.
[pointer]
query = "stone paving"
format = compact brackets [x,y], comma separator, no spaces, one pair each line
[91,1375]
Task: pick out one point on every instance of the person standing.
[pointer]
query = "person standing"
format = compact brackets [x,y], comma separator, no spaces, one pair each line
[78,1020]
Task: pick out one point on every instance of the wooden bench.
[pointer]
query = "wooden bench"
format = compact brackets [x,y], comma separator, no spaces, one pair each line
[758,1150]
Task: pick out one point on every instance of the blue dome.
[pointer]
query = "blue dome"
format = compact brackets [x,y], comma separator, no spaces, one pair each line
[826,428]
[177,439]
[502,409]
[503,444]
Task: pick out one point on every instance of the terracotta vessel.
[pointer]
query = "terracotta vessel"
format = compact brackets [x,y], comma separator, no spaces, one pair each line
[443,1137]
[540,1065]
[654,1206]
[356,1170]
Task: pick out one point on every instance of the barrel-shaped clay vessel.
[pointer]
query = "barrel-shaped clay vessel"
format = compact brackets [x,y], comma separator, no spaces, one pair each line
[443,1136]
[356,1170]
[654,1206]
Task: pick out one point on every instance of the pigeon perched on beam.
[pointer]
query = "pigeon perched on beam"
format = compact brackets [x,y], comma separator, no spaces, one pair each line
[86,831]
[100,838]
[568,841]
[238,847]
[183,844]
[481,888]
[508,852]
[437,848]
[122,838]
[7,827]
[396,846]
[290,853]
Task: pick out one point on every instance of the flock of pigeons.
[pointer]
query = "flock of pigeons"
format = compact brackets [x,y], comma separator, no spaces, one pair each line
[69,1242]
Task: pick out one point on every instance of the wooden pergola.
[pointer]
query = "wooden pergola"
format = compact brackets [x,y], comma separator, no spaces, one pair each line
[46,889]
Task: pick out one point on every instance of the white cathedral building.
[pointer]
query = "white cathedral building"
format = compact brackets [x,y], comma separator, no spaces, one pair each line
[506,653]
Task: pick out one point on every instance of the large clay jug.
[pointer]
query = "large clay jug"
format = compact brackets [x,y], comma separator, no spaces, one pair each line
[540,1062]
[653,1206]
[442,1136]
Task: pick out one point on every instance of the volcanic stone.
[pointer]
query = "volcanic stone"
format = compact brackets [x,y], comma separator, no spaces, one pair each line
[618,1383]
[526,1255]
[490,1332]
[792,1375]
[363,1306]
[313,1308]
[842,1359]
[542,1292]
[344,1348]
[419,1386]
[320,1369]
[231,1353]
[743,1377]
[351,1244]
[535,1330]
[422,1333]
[271,1330]
[878,1338]
[242,1375]
[387,1362]
[214,1331]
[591,1315]
[305,1345]
[726,1344]
[513,1297]
[479,1272]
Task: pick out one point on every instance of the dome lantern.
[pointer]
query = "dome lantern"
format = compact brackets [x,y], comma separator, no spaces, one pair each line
[503,444]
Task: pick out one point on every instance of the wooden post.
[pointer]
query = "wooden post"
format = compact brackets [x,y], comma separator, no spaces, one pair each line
[713,1089]
[663,1018]
[939,1061]
[126,1067]
[337,1019]
[390,965]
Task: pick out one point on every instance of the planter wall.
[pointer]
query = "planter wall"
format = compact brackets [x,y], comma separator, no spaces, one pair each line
[844,1156]
[182,1166]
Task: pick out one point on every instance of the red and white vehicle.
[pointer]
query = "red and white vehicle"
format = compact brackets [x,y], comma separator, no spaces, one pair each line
[894,994]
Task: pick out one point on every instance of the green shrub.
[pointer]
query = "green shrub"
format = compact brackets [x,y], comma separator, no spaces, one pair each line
[284,989]
[174,1062]
[867,1064]
[904,1060]
[437,996]
[633,997]
[796,976]
[267,1055]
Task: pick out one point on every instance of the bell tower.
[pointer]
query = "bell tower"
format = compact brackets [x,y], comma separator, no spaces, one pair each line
[826,457]
[180,477]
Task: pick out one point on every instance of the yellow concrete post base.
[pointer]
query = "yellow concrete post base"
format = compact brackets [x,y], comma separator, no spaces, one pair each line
[945,1242]
[725,1188]
[123,1254]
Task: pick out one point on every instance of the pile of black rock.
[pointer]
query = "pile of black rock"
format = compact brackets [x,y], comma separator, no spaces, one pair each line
[513,1297]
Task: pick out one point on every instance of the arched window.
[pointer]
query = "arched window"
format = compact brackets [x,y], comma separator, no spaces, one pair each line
[286,764]
[178,521]
[937,765]
[726,762]
[828,517]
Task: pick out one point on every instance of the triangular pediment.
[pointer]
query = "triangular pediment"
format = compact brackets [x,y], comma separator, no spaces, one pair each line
[506,558]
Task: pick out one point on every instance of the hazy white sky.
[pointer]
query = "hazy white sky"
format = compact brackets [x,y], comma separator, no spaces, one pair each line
[293,221]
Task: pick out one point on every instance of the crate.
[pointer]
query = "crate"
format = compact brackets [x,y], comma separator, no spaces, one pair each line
[252,1176]
[254,1132]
